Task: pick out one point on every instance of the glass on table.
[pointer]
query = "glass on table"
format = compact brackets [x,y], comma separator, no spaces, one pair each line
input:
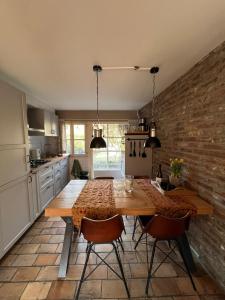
[129,180]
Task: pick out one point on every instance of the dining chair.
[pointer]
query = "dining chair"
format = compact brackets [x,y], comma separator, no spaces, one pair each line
[162,228]
[106,231]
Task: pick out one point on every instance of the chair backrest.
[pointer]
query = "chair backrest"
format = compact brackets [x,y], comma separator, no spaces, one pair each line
[165,228]
[104,177]
[76,169]
[102,231]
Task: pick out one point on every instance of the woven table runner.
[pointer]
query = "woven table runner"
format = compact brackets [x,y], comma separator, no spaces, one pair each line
[95,201]
[173,206]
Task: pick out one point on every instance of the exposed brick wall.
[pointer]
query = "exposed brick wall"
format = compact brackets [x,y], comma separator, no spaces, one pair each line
[190,118]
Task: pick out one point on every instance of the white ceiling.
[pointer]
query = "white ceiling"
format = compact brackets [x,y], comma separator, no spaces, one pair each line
[48,47]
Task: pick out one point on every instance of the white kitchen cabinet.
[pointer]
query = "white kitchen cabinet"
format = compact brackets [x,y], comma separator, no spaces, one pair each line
[15,212]
[14,154]
[46,194]
[33,195]
[57,178]
[50,123]
[64,164]
[15,207]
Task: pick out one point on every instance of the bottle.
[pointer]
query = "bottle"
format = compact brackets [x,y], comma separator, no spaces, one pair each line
[159,174]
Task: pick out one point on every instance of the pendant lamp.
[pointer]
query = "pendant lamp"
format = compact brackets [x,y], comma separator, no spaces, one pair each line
[97,141]
[153,141]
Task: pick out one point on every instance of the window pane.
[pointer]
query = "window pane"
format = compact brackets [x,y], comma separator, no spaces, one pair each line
[100,160]
[115,144]
[115,160]
[79,131]
[116,130]
[79,147]
[66,146]
[67,127]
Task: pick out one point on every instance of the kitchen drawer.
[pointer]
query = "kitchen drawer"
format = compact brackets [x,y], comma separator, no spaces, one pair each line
[46,176]
[64,162]
[46,195]
[57,185]
[57,174]
[57,167]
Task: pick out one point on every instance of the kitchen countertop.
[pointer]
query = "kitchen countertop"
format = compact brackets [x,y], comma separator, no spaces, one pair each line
[52,160]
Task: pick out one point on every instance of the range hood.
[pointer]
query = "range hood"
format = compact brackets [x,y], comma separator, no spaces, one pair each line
[35,118]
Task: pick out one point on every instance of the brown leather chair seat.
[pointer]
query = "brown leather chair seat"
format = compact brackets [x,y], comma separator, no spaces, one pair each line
[106,231]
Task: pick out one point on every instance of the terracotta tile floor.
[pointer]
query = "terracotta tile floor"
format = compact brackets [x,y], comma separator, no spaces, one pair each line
[29,271]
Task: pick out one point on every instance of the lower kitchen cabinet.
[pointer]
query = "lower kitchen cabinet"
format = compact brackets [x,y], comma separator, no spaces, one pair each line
[15,212]
[46,194]
[24,199]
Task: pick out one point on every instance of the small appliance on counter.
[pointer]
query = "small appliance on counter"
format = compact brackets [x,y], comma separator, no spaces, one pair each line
[34,163]
[35,154]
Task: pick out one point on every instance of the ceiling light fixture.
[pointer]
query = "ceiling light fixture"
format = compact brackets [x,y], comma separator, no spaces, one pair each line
[153,141]
[97,141]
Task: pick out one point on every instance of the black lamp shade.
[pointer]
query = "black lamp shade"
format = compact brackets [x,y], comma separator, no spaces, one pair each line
[98,141]
[152,142]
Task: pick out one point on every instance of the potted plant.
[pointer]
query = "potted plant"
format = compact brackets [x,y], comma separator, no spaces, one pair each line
[176,165]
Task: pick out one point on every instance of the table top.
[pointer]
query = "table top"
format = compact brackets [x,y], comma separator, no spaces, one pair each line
[135,203]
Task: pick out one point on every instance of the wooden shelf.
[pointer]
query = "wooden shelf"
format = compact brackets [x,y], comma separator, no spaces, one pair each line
[137,133]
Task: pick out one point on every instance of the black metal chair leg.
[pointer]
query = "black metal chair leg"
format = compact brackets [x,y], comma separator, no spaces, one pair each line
[186,264]
[146,238]
[121,270]
[83,272]
[121,244]
[150,268]
[135,226]
[138,241]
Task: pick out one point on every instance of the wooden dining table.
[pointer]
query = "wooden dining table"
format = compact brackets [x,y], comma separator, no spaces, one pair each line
[132,204]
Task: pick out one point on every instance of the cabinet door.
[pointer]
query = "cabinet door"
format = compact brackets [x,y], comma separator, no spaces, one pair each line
[14,156]
[55,125]
[13,122]
[48,122]
[15,212]
[33,195]
[46,195]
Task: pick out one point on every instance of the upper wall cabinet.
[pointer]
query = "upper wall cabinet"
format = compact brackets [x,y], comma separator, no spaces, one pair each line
[51,123]
[12,116]
[14,154]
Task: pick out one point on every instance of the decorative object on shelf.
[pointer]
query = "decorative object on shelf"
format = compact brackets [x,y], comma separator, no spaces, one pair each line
[153,141]
[176,171]
[97,141]
[159,174]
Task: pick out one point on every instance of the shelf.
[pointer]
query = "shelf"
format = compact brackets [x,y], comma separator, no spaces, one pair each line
[137,133]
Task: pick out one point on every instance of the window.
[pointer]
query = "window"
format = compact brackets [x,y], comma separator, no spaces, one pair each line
[73,138]
[111,157]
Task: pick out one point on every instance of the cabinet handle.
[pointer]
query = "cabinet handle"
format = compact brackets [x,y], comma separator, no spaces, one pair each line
[27,159]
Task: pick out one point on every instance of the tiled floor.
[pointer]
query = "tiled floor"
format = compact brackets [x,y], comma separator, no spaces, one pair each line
[30,269]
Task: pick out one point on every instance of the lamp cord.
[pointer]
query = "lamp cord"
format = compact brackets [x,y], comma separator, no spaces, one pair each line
[97,100]
[153,96]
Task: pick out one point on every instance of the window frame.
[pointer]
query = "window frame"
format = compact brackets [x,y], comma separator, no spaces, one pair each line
[107,151]
[72,139]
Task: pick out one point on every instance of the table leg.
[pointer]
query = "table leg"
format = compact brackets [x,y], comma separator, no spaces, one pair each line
[184,244]
[66,247]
